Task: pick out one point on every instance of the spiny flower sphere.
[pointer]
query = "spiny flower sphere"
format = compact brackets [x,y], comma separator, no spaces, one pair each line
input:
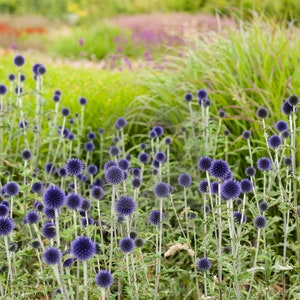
[160,157]
[263,206]
[204,163]
[246,186]
[125,205]
[74,166]
[246,134]
[286,108]
[219,169]
[108,164]
[114,175]
[281,126]
[203,186]
[260,222]
[154,217]
[238,217]
[3,89]
[264,164]
[126,245]
[19,60]
[144,157]
[274,141]
[184,180]
[92,169]
[4,210]
[120,123]
[250,171]
[262,113]
[293,100]
[136,182]
[82,101]
[54,197]
[37,187]
[104,279]
[114,151]
[162,190]
[230,189]
[52,256]
[203,264]
[11,189]
[202,94]
[89,146]
[124,164]
[6,225]
[69,262]
[26,154]
[32,217]
[97,193]
[287,161]
[48,230]
[73,201]
[83,248]
[159,130]
[188,97]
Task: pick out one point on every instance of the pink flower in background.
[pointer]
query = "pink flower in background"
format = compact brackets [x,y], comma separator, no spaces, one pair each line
[81,42]
[14,46]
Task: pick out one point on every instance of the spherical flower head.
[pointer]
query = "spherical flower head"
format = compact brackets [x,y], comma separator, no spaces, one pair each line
[260,222]
[82,101]
[120,123]
[83,248]
[92,169]
[287,161]
[19,60]
[98,182]
[65,112]
[221,113]
[22,77]
[73,201]
[124,164]
[50,168]
[136,183]
[250,171]
[159,130]
[204,163]
[286,108]
[238,217]
[41,70]
[3,89]
[285,134]
[162,190]
[35,68]
[54,197]
[11,77]
[264,164]
[154,217]
[86,221]
[114,175]
[32,217]
[274,141]
[114,151]
[219,169]
[74,166]
[37,187]
[143,146]
[281,126]
[168,140]
[139,242]
[262,113]
[230,189]
[144,157]
[126,245]
[203,186]
[62,172]
[11,189]
[214,187]
[68,262]
[152,134]
[293,100]
[4,210]
[246,135]
[50,212]
[136,172]
[246,186]
[52,256]
[39,206]
[202,94]
[263,206]
[226,132]
[6,203]
[133,235]
[6,226]
[86,205]
[160,157]
[104,279]
[203,264]
[184,180]
[48,230]
[35,244]
[108,164]
[97,192]
[89,146]
[125,205]
[188,97]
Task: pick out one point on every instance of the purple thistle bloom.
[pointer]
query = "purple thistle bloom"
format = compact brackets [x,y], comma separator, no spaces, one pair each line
[37,187]
[4,210]
[246,134]
[144,157]
[54,197]
[120,123]
[50,168]
[68,262]
[125,205]
[114,151]
[86,205]
[246,186]
[154,217]
[160,157]
[104,279]
[48,230]
[203,186]
[293,100]
[124,164]
[250,171]
[89,146]
[82,101]
[84,221]
[32,217]
[188,97]
[52,256]
[203,264]
[74,166]
[287,108]
[162,190]
[204,163]
[274,141]
[6,226]
[3,89]
[91,135]
[136,182]
[62,172]
[139,242]
[264,164]
[136,172]
[11,189]
[83,248]
[202,94]
[114,175]
[97,193]
[126,245]
[159,130]
[281,126]
[92,169]
[230,189]
[214,187]
[65,112]
[108,164]
[263,206]
[219,169]
[262,113]
[73,201]
[98,182]
[50,212]
[238,217]
[19,60]
[260,222]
